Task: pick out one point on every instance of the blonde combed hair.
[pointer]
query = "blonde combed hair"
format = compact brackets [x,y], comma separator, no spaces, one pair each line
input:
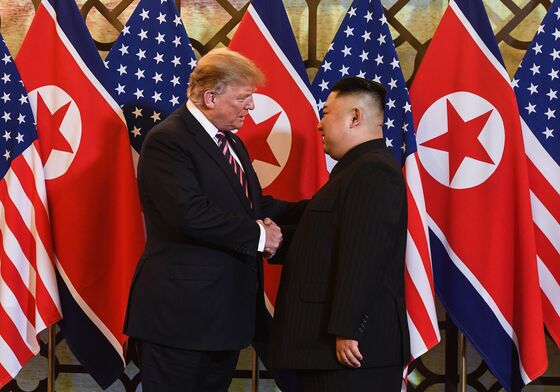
[220,68]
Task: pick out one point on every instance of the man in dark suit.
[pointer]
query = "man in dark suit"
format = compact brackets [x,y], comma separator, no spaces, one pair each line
[340,317]
[197,289]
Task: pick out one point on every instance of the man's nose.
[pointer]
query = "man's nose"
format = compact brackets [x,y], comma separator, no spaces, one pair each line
[250,105]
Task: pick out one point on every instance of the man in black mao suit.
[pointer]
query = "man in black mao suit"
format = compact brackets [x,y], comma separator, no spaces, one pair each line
[340,317]
[197,289]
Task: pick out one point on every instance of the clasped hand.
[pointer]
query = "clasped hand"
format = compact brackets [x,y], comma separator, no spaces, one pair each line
[273,237]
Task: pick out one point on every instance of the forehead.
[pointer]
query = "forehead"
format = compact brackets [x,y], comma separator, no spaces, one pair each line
[336,101]
[240,88]
[331,98]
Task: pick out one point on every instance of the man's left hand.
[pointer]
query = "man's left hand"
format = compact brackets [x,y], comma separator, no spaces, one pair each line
[348,353]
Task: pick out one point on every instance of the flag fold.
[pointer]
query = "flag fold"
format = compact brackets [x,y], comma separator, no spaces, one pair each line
[476,187]
[94,208]
[29,299]
[536,84]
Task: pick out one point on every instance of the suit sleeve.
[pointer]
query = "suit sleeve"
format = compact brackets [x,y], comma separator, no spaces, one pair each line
[280,211]
[365,238]
[169,181]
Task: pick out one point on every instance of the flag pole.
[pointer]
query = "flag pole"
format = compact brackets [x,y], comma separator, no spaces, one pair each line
[462,363]
[51,358]
[255,372]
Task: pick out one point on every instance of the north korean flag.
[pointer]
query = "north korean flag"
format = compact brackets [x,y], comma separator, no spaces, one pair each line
[477,195]
[281,132]
[91,189]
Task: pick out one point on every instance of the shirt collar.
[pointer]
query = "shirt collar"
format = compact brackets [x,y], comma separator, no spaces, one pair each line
[201,118]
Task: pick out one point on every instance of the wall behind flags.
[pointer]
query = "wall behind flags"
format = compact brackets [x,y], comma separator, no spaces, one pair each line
[211,23]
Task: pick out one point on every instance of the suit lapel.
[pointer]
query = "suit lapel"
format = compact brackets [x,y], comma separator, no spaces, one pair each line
[210,147]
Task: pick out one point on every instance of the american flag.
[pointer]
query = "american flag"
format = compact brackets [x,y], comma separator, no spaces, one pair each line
[363,47]
[29,299]
[537,84]
[150,63]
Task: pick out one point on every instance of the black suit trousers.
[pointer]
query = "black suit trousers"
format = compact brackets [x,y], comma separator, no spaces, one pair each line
[166,369]
[377,379]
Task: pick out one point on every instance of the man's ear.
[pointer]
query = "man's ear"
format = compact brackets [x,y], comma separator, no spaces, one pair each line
[209,99]
[357,116]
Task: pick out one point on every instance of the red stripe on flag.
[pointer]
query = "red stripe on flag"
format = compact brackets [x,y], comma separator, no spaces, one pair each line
[16,224]
[13,280]
[549,257]
[418,314]
[46,306]
[543,190]
[547,252]
[420,304]
[4,376]
[551,319]
[29,291]
[29,185]
[12,337]
[417,232]
[550,199]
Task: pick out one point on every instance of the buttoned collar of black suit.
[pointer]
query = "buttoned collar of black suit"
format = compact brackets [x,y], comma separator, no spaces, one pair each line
[355,153]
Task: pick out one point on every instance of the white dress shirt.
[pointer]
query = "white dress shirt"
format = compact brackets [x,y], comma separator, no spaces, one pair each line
[212,131]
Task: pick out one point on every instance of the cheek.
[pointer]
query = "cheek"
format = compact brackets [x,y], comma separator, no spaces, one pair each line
[328,130]
[235,110]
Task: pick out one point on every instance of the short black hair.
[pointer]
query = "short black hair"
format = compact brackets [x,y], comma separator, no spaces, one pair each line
[356,85]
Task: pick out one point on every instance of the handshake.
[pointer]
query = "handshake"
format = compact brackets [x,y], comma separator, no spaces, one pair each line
[273,237]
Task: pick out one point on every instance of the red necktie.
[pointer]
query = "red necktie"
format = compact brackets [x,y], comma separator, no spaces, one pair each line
[223,144]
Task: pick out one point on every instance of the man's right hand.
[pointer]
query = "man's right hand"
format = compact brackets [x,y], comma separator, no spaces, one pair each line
[273,237]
